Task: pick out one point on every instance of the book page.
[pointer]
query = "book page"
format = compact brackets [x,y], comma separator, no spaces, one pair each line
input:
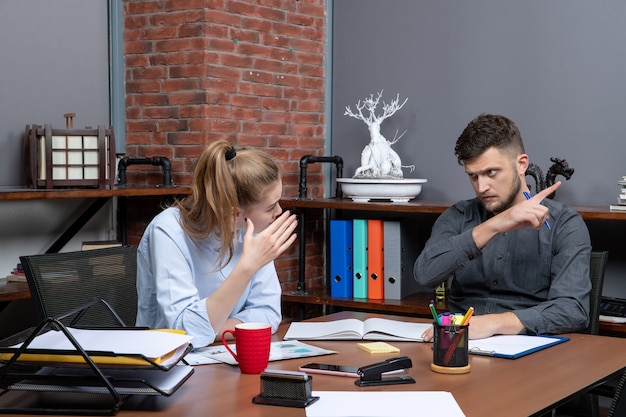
[385,329]
[346,329]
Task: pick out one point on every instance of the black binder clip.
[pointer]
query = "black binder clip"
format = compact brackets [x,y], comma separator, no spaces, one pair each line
[371,375]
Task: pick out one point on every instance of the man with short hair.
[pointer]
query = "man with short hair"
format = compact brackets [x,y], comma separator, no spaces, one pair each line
[522,262]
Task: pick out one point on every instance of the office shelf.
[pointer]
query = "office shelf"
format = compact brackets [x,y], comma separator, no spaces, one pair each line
[416,304]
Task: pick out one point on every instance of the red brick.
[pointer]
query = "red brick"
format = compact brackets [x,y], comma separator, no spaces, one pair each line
[245,101]
[136,61]
[284,31]
[185,71]
[271,13]
[217,17]
[244,35]
[174,45]
[241,8]
[144,7]
[145,100]
[143,87]
[166,19]
[137,47]
[239,113]
[272,129]
[141,126]
[191,30]
[180,84]
[193,97]
[173,125]
[160,112]
[161,32]
[259,25]
[224,126]
[190,112]
[184,4]
[167,59]
[223,72]
[149,73]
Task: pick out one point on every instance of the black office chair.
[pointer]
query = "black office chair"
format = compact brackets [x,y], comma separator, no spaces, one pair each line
[587,405]
[618,405]
[62,282]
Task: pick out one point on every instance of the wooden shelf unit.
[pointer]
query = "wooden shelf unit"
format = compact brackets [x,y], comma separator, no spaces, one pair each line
[99,197]
[416,304]
[15,194]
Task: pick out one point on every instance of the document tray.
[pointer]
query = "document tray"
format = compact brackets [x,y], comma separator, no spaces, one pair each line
[79,388]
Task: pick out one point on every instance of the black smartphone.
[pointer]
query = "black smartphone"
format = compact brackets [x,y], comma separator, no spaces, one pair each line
[328,369]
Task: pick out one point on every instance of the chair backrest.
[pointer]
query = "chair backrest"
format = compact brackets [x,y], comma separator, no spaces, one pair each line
[62,282]
[597,265]
[618,405]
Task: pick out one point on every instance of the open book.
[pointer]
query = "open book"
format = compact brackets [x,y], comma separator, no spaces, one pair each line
[354,329]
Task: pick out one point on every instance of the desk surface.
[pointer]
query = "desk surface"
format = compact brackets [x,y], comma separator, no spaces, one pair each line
[523,387]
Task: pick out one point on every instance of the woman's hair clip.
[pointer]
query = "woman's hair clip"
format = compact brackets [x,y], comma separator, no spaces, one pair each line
[231,153]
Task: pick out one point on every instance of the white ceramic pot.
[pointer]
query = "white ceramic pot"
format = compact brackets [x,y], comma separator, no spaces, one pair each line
[366,189]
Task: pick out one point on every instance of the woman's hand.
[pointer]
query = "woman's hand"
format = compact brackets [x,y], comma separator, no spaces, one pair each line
[262,248]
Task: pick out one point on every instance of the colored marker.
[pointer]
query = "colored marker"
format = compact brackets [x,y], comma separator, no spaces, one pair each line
[434,312]
[467,316]
[527,195]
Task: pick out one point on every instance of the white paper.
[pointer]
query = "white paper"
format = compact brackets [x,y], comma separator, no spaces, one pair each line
[151,344]
[510,344]
[383,404]
[278,351]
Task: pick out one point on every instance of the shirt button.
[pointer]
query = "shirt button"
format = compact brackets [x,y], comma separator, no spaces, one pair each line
[499,257]
[495,283]
[471,257]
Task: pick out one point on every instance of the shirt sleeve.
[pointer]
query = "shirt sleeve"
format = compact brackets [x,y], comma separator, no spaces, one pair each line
[448,249]
[567,307]
[177,298]
[262,305]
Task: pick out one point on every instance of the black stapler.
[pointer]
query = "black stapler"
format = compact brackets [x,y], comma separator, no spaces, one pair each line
[371,375]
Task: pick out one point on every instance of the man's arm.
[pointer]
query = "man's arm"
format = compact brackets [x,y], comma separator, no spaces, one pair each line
[488,325]
[449,247]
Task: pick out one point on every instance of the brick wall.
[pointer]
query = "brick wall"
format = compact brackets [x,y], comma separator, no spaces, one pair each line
[248,71]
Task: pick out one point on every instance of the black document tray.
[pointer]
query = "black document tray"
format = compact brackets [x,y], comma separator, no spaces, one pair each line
[78,389]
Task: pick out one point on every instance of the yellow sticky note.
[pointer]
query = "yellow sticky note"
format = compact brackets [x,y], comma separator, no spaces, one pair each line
[378,347]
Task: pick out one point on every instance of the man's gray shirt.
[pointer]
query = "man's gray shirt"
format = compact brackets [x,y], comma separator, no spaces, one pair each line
[542,276]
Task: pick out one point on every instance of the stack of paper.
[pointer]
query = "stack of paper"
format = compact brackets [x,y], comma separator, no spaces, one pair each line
[107,347]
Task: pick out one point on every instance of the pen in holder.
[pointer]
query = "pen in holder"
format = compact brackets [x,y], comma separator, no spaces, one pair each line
[450,350]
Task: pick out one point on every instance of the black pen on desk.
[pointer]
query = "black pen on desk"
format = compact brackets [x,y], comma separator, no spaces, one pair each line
[527,195]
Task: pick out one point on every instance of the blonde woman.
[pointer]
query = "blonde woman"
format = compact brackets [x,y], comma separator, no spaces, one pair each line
[207,263]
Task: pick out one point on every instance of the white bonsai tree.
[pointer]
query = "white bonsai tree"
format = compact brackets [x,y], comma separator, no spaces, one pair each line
[378,160]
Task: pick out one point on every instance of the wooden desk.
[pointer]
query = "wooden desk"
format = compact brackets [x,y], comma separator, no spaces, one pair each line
[523,387]
[10,291]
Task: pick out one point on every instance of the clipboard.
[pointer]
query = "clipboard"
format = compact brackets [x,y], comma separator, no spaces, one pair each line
[513,346]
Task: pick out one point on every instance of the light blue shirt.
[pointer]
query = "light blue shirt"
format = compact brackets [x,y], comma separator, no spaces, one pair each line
[175,275]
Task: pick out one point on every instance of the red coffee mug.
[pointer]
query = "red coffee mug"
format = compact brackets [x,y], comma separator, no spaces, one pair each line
[252,345]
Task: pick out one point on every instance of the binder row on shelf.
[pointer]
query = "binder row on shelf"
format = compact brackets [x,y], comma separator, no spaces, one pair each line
[371,259]
[88,370]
